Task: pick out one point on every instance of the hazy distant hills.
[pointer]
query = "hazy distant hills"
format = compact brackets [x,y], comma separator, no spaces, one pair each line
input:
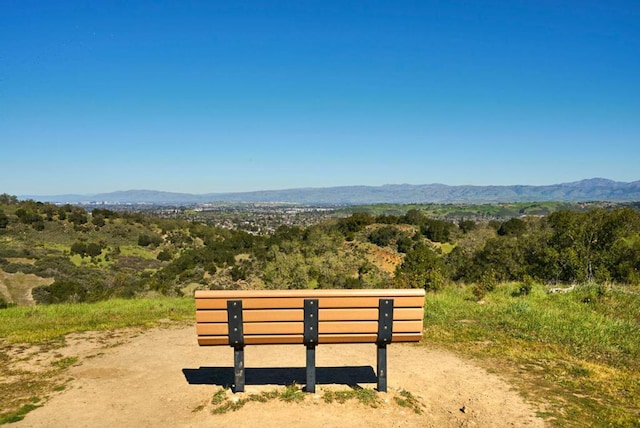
[595,189]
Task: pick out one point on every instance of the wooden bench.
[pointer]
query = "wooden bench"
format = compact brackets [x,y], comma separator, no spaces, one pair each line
[308,317]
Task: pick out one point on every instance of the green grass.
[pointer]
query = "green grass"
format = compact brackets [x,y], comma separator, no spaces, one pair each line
[222,403]
[136,250]
[18,415]
[365,396]
[43,323]
[578,352]
[408,400]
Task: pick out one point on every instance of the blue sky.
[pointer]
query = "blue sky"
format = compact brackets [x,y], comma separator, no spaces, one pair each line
[225,96]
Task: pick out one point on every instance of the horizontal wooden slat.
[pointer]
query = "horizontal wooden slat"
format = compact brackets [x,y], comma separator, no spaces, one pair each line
[323,302]
[326,327]
[297,339]
[307,294]
[337,314]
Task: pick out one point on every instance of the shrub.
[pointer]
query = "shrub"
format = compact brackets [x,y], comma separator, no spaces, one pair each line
[144,239]
[165,256]
[4,303]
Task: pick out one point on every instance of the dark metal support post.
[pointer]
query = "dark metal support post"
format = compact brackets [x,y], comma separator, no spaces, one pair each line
[382,368]
[311,340]
[385,336]
[238,368]
[236,340]
[311,369]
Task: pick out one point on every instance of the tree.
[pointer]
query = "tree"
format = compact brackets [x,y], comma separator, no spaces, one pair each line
[413,216]
[146,239]
[78,217]
[467,225]
[93,249]
[384,236]
[98,220]
[513,227]
[355,223]
[165,255]
[422,268]
[437,230]
[6,199]
[79,248]
[4,220]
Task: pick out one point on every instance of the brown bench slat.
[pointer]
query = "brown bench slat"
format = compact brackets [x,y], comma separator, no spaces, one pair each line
[323,302]
[338,314]
[306,294]
[297,339]
[326,327]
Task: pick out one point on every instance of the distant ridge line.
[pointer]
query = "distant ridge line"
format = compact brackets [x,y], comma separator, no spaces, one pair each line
[594,189]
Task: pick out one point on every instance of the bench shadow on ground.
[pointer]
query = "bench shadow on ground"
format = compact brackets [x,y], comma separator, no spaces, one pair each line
[223,376]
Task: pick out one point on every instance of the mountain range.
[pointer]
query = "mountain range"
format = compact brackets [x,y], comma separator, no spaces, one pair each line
[594,189]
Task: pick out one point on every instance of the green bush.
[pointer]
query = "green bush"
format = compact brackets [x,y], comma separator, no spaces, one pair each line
[4,303]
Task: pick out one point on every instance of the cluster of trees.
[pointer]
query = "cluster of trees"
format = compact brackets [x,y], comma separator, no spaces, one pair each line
[564,247]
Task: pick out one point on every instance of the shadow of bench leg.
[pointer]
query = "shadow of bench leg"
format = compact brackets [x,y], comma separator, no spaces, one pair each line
[311,369]
[238,368]
[382,368]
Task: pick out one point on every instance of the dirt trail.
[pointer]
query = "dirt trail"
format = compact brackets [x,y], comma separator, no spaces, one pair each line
[161,378]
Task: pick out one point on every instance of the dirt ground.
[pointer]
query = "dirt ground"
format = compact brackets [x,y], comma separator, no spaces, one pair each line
[162,378]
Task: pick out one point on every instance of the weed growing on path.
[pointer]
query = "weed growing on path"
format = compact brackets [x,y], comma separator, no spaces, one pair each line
[222,402]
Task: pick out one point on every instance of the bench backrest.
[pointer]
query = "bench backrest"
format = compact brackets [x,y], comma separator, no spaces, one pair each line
[277,316]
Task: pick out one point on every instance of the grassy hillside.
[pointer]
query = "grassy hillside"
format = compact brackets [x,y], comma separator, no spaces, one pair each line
[83,256]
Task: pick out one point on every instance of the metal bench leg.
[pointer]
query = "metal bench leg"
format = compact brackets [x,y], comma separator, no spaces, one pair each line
[238,368]
[311,369]
[382,368]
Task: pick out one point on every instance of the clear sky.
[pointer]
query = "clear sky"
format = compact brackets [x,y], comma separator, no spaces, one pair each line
[225,96]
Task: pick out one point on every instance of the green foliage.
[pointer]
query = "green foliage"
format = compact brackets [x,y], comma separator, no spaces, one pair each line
[355,223]
[467,226]
[104,213]
[94,249]
[79,248]
[4,220]
[422,268]
[365,396]
[513,227]
[525,288]
[292,393]
[414,216]
[98,220]
[4,304]
[146,239]
[408,400]
[567,246]
[165,255]
[384,236]
[437,230]
[77,216]
[130,257]
[17,416]
[6,199]
[64,362]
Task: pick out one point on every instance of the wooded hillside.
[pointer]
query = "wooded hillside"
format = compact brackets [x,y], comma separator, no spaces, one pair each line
[90,256]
